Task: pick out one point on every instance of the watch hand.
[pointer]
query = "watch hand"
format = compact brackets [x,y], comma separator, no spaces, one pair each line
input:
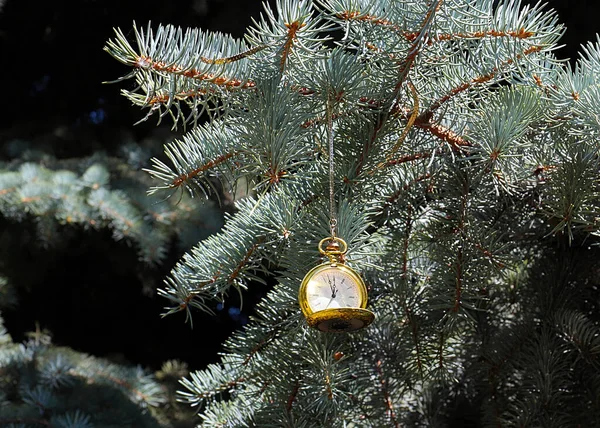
[334,290]
[328,303]
[331,286]
[330,300]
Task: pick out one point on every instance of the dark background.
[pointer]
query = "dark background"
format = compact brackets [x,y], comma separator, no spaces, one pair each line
[51,71]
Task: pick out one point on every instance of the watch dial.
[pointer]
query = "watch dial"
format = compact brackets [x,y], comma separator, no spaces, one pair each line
[333,288]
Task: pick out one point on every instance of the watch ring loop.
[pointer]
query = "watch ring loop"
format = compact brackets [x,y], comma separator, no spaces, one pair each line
[343,246]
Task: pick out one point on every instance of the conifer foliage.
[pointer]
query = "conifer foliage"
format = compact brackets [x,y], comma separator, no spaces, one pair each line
[95,193]
[465,170]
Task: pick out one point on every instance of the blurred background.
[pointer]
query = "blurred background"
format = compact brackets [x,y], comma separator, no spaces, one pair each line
[88,291]
[91,293]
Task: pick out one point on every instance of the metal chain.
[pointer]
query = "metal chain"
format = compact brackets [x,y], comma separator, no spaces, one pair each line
[332,216]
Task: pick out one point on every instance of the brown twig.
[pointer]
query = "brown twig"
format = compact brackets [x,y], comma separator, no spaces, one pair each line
[386,395]
[217,275]
[410,36]
[183,178]
[475,81]
[457,142]
[405,66]
[292,397]
[244,261]
[165,97]
[233,58]
[144,62]
[289,42]
[262,343]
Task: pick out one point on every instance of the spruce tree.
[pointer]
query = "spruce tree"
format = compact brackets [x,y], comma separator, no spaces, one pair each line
[465,177]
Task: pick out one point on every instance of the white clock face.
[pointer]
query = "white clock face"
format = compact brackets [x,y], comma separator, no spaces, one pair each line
[333,288]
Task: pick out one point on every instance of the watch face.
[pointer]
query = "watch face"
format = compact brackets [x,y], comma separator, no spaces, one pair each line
[332,288]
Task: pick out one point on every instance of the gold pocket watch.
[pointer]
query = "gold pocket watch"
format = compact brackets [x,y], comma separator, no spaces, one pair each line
[333,296]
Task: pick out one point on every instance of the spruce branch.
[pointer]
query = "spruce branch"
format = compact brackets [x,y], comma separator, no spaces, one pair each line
[581,332]
[171,51]
[88,199]
[75,419]
[211,268]
[459,152]
[201,154]
[169,69]
[496,73]
[404,66]
[291,29]
[55,386]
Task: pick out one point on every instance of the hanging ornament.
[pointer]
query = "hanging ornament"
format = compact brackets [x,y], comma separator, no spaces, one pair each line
[333,296]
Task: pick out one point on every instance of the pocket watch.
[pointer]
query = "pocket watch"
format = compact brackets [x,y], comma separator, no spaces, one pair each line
[333,296]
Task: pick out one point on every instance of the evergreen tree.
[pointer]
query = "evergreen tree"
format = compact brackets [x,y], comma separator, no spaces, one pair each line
[465,177]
